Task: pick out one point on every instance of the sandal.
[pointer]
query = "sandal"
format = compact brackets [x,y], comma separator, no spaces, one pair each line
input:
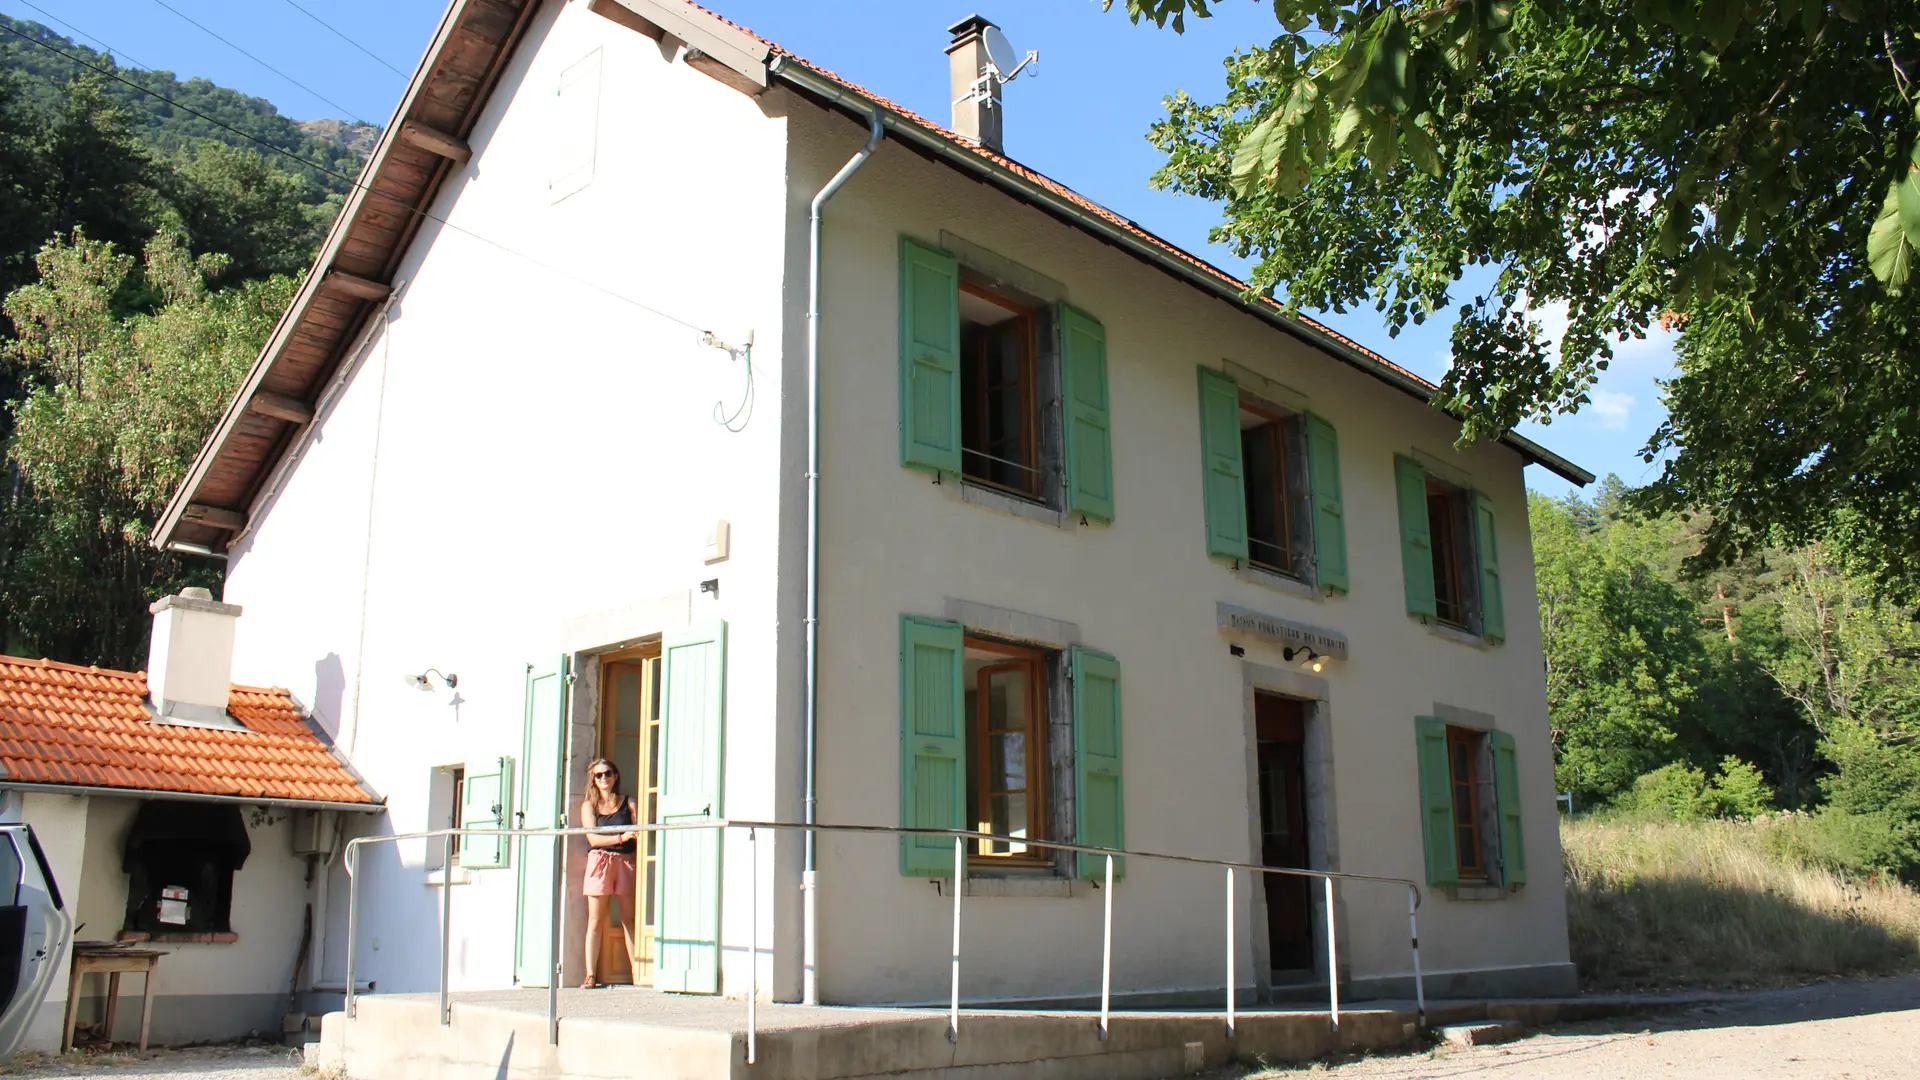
[590,983]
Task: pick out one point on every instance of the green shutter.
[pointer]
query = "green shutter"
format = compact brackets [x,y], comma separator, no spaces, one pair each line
[1220,444]
[1329,513]
[1089,449]
[1099,804]
[1436,801]
[693,719]
[933,742]
[1416,538]
[543,757]
[1506,789]
[929,358]
[1493,606]
[488,805]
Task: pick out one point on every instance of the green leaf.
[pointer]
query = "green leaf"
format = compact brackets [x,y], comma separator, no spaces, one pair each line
[1290,16]
[1910,200]
[1420,148]
[1249,157]
[1888,252]
[1346,133]
[1383,150]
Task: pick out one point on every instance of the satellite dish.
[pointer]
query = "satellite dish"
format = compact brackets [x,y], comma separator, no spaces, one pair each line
[1007,63]
[999,50]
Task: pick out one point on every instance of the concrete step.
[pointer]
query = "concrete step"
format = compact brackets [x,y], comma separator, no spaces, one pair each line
[1482,1032]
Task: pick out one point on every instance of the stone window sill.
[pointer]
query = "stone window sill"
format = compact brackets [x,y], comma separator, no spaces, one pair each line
[1458,636]
[1476,893]
[994,499]
[1037,886]
[1280,583]
[461,876]
[184,937]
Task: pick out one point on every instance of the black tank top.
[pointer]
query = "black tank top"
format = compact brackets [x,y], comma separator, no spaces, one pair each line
[622,816]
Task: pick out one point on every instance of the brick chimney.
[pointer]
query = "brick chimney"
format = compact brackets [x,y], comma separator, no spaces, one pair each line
[976,94]
[190,658]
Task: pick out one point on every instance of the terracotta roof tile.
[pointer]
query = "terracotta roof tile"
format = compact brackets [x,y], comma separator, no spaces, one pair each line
[61,724]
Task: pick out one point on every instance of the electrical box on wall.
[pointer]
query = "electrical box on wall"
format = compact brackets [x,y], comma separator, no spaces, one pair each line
[717,544]
[313,832]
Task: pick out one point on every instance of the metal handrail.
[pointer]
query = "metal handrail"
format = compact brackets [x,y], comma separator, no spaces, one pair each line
[959,837]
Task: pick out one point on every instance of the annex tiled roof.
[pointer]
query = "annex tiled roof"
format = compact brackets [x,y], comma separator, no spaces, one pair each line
[89,727]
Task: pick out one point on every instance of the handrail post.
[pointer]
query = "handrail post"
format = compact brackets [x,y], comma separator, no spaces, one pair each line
[553,939]
[1413,931]
[1333,959]
[959,887]
[1106,958]
[446,923]
[1231,978]
[753,940]
[353,925]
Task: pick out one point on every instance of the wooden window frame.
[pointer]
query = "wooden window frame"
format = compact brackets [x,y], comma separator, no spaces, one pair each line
[1449,586]
[1034,661]
[978,396]
[1473,843]
[1282,493]
[457,774]
[645,787]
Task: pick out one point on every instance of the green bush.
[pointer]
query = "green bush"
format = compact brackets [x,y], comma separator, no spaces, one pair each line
[1675,792]
[1880,843]
[1740,790]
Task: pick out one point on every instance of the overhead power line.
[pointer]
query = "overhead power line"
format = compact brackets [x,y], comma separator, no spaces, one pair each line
[345,113]
[336,33]
[50,17]
[356,184]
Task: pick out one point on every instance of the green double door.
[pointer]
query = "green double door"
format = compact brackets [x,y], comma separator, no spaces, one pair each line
[687,884]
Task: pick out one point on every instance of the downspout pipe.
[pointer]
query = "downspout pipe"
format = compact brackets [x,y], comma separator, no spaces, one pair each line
[810,876]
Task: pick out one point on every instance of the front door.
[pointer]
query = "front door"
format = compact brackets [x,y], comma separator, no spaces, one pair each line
[629,736]
[542,799]
[687,951]
[1280,730]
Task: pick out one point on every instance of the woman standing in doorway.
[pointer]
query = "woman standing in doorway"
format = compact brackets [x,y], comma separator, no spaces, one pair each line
[610,869]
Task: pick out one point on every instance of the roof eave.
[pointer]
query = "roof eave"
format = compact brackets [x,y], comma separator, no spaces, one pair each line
[193,796]
[805,79]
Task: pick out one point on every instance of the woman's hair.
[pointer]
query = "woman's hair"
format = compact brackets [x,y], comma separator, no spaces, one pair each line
[595,764]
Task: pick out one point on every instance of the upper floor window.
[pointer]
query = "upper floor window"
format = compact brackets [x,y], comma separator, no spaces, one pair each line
[1450,553]
[1000,389]
[1000,399]
[1272,491]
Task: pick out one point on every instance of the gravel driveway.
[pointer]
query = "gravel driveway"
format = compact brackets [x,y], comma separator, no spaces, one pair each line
[1861,1030]
[210,1062]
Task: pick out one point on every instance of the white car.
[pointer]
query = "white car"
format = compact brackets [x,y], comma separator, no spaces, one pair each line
[35,931]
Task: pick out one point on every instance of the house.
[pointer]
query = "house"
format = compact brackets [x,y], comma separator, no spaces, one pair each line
[1070,541]
[180,812]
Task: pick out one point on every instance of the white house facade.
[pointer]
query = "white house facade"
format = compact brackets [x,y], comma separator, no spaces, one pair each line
[1105,554]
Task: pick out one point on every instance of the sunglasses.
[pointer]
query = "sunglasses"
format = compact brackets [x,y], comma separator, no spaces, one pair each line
[603,774]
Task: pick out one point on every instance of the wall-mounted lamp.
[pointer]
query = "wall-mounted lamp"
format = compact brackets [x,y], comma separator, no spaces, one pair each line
[1309,660]
[423,681]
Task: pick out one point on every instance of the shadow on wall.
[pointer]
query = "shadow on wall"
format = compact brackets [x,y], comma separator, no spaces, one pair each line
[399,918]
[329,689]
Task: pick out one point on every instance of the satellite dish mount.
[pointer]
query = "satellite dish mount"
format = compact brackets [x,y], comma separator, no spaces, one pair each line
[1000,67]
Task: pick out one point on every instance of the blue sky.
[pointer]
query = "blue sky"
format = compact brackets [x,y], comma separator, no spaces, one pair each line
[1083,120]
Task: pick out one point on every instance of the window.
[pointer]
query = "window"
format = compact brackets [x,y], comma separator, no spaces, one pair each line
[1463,776]
[999,413]
[1449,553]
[446,789]
[180,859]
[1276,528]
[979,722]
[1006,749]
[1470,805]
[1272,486]
[1001,389]
[1453,569]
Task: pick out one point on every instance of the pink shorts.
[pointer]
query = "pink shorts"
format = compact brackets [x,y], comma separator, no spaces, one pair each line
[609,873]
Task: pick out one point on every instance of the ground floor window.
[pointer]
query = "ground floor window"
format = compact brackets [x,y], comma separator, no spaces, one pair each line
[180,858]
[1006,752]
[1464,748]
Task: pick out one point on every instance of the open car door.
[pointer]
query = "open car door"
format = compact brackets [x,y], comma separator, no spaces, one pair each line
[35,931]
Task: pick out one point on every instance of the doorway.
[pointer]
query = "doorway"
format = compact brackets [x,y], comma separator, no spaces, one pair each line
[1280,732]
[629,735]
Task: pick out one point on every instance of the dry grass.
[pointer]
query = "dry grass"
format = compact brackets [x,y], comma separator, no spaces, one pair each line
[1668,904]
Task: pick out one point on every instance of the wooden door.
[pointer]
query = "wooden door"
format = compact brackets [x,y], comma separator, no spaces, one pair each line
[1280,730]
[629,736]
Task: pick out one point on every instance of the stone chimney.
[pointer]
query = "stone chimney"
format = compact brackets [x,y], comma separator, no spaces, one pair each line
[190,660]
[976,94]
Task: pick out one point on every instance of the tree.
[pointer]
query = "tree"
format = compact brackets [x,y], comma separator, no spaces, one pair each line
[118,406]
[1743,172]
[237,203]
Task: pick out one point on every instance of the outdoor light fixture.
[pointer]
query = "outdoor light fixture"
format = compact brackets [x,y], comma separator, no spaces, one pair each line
[423,682]
[1309,660]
